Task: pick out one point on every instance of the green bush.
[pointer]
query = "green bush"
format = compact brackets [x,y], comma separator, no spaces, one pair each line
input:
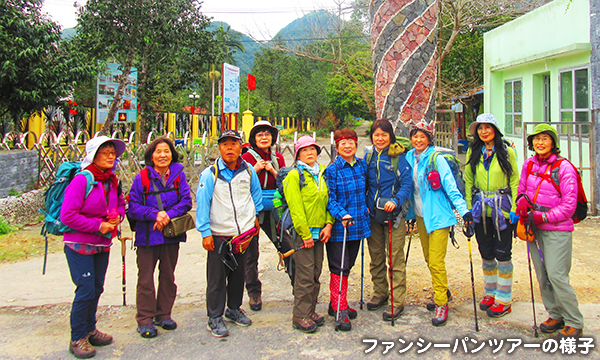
[5,227]
[13,192]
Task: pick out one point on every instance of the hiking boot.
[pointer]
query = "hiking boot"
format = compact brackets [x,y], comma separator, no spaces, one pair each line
[167,324]
[255,303]
[97,338]
[82,349]
[217,327]
[387,315]
[344,323]
[431,303]
[498,310]
[487,301]
[238,317]
[441,315]
[318,319]
[352,314]
[305,325]
[551,325]
[570,332]
[147,331]
[376,302]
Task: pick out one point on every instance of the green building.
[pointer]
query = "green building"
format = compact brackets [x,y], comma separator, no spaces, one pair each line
[537,68]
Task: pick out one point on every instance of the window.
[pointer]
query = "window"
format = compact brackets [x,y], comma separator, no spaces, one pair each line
[513,111]
[574,99]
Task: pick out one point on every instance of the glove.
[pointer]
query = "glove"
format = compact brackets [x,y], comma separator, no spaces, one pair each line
[513,217]
[537,218]
[468,217]
[522,208]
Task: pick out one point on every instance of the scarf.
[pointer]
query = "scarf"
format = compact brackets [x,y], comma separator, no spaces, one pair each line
[102,176]
[314,171]
[488,156]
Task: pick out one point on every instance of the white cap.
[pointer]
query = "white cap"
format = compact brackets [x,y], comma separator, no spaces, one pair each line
[94,144]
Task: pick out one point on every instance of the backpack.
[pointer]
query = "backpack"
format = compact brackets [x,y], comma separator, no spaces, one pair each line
[454,164]
[55,195]
[582,207]
[282,216]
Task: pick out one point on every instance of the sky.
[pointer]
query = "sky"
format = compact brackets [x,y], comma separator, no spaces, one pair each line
[261,19]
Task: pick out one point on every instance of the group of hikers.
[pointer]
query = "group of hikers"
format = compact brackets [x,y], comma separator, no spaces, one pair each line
[333,209]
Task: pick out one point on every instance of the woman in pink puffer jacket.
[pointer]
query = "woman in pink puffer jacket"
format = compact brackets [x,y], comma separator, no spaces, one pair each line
[552,214]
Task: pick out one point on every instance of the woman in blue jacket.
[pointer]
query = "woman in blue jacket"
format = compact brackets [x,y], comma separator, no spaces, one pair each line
[164,179]
[388,185]
[433,196]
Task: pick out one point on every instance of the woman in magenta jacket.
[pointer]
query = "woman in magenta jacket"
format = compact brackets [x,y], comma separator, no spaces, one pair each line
[552,216]
[94,218]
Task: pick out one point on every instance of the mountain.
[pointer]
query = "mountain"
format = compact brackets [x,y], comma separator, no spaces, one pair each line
[300,32]
[312,26]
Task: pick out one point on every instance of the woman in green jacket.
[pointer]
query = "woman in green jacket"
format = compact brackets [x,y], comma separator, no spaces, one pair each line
[491,181]
[307,201]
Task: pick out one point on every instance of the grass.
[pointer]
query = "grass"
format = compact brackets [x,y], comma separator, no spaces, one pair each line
[26,243]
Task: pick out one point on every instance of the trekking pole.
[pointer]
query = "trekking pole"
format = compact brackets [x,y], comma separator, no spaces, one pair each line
[290,253]
[469,232]
[338,323]
[123,241]
[535,327]
[362,271]
[45,254]
[391,266]
[411,229]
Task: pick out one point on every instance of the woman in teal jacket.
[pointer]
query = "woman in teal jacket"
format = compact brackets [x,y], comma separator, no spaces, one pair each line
[433,195]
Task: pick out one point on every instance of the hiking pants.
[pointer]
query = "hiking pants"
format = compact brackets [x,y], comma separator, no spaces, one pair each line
[151,304]
[434,247]
[223,286]
[379,244]
[553,276]
[309,263]
[253,284]
[88,273]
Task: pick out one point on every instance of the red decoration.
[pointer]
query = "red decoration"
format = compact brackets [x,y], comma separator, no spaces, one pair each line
[251,82]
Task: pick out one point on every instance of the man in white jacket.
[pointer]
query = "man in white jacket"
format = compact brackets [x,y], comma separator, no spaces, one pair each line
[229,198]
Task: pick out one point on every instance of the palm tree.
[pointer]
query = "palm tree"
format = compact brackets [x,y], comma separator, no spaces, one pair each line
[228,43]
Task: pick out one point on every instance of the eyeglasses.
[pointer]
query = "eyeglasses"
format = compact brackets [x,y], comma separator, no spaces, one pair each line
[108,153]
[263,134]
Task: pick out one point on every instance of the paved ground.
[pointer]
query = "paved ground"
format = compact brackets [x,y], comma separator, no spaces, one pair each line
[34,311]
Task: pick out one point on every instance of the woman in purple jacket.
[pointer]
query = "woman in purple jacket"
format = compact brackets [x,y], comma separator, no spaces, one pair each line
[160,192]
[94,217]
[552,214]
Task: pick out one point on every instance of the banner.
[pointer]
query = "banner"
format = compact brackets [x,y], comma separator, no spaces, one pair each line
[107,85]
[231,88]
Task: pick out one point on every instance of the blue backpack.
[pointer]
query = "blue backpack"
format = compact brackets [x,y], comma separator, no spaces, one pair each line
[54,196]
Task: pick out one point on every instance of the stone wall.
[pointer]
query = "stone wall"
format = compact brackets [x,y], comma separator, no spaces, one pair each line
[19,171]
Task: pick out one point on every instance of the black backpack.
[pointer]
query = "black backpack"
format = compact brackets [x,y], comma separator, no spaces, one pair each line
[285,233]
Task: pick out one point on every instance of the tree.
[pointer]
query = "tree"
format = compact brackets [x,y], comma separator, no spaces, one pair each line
[166,41]
[36,68]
